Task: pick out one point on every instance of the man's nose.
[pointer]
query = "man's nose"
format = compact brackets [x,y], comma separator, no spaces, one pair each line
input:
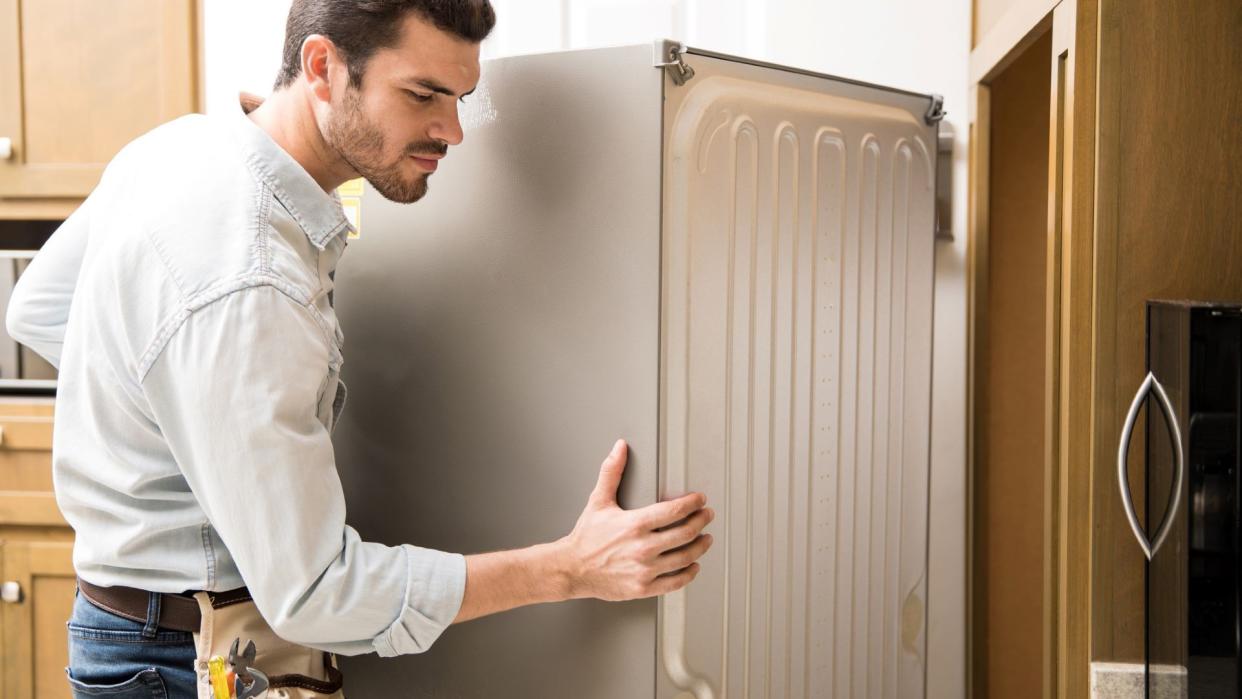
[448,127]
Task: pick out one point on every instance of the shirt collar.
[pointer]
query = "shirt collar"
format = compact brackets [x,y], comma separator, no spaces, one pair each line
[317,212]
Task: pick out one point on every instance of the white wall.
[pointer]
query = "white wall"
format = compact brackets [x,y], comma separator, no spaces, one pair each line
[241,42]
[914,44]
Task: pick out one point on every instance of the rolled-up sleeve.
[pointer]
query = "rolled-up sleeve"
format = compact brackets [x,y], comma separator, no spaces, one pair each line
[236,392]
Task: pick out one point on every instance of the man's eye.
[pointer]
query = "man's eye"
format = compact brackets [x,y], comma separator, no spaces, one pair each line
[420,97]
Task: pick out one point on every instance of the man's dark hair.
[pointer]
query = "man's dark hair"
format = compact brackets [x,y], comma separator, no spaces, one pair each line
[359,28]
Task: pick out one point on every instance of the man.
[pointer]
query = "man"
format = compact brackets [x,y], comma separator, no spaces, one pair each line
[198,381]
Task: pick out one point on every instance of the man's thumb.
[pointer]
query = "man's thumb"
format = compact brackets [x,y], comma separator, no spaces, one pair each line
[610,475]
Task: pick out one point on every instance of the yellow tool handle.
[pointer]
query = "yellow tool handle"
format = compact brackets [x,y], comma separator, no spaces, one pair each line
[219,679]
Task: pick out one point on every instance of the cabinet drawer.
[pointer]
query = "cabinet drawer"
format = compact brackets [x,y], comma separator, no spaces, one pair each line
[25,433]
[26,464]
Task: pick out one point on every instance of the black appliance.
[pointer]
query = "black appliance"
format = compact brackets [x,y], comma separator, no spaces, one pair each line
[1190,523]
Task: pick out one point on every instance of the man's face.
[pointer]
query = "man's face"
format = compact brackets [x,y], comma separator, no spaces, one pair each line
[394,129]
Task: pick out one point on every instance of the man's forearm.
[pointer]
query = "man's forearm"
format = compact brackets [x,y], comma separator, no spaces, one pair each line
[503,580]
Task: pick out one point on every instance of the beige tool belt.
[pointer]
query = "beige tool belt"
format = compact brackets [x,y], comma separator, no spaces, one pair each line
[293,671]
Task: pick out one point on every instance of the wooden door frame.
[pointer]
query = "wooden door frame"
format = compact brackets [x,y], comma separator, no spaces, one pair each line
[1074,114]
[976,330]
[1070,321]
[996,58]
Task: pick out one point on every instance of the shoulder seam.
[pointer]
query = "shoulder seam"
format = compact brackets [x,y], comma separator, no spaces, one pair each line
[262,226]
[224,289]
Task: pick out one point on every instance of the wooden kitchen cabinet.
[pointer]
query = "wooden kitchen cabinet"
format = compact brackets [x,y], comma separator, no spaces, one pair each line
[81,78]
[35,641]
[1104,151]
[36,556]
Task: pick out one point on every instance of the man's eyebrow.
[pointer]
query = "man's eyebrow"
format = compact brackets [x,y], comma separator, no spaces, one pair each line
[435,86]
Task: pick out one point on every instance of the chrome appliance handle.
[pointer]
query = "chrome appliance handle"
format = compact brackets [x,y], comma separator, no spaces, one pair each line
[1150,384]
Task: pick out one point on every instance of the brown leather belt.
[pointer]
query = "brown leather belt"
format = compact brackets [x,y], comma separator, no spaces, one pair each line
[178,612]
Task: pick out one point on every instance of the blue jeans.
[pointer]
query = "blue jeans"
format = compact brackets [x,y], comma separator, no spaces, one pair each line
[118,658]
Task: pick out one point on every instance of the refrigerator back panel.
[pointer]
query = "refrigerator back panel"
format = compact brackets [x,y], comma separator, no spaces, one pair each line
[735,274]
[795,381]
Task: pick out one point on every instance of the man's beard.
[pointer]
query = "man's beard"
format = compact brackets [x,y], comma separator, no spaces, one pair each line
[361,145]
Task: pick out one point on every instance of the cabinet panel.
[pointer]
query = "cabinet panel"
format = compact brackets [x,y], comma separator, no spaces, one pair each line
[1169,226]
[35,643]
[70,105]
[88,97]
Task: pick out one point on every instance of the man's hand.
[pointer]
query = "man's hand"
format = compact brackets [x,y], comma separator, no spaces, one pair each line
[612,554]
[616,554]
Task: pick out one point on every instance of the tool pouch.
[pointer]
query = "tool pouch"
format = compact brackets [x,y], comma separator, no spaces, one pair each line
[293,671]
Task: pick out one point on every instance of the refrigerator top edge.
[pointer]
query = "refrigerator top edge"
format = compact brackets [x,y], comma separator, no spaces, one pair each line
[933,98]
[660,48]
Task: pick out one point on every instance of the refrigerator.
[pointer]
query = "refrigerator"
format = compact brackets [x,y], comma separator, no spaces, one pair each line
[1185,513]
[729,264]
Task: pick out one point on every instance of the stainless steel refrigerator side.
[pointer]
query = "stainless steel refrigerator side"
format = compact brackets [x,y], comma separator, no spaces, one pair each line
[500,335]
[796,341]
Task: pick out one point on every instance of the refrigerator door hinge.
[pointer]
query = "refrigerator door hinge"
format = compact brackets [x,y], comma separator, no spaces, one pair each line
[670,55]
[944,182]
[935,110]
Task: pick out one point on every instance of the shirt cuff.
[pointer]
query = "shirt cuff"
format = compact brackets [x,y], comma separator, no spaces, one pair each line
[435,585]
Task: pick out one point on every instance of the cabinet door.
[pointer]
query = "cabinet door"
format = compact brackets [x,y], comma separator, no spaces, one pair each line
[35,645]
[1169,226]
[79,79]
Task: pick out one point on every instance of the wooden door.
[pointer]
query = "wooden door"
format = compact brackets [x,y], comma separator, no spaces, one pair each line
[1032,212]
[35,643]
[81,78]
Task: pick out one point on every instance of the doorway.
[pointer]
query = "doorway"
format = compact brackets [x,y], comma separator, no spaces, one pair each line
[1012,547]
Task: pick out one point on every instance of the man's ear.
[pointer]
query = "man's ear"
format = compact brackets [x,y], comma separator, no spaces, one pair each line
[320,65]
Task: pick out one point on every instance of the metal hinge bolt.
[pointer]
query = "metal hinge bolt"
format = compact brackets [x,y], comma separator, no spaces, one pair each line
[670,55]
[935,111]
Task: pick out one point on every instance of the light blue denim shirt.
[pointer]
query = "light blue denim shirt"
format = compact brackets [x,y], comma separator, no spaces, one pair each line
[187,305]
